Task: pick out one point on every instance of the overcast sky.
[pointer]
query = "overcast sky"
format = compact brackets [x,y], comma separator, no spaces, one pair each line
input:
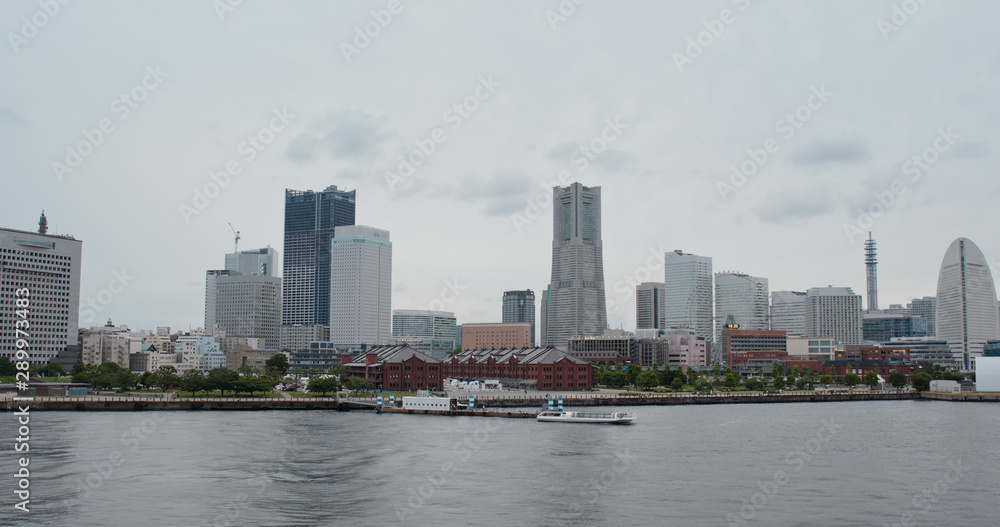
[842,93]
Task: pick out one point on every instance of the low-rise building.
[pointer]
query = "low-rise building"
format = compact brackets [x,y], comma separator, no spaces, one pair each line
[492,335]
[811,348]
[546,368]
[397,368]
[743,340]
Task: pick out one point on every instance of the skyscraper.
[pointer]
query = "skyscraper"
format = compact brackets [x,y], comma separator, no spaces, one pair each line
[688,293]
[834,312]
[361,286]
[966,301]
[243,305]
[46,269]
[255,261]
[788,312]
[742,297]
[310,218]
[649,305]
[576,293]
[519,306]
[925,307]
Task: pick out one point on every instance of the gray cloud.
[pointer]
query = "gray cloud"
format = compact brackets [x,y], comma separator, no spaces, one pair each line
[845,150]
[341,135]
[501,194]
[608,160]
[7,114]
[784,207]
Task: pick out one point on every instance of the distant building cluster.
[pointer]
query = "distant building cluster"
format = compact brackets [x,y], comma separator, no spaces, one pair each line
[332,306]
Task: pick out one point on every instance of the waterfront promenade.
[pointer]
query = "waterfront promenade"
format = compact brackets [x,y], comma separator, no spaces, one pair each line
[490,400]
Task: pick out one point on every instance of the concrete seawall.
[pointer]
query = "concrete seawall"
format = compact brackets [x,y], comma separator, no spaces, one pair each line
[132,404]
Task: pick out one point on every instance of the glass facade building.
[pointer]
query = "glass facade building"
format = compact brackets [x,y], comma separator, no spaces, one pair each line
[310,218]
[519,306]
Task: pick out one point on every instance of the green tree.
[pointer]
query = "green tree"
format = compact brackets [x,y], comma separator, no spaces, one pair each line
[54,370]
[852,379]
[222,379]
[359,383]
[454,352]
[109,367]
[144,378]
[732,380]
[716,370]
[164,377]
[802,382]
[633,372]
[616,379]
[897,379]
[779,382]
[692,376]
[702,384]
[871,379]
[79,367]
[125,379]
[647,380]
[278,362]
[193,381]
[7,368]
[826,379]
[324,385]
[778,371]
[753,384]
[677,384]
[922,381]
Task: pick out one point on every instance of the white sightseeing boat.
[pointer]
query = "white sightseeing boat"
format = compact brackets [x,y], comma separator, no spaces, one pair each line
[614,418]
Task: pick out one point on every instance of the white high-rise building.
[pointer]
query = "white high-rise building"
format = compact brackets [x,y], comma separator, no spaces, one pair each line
[834,312]
[742,297]
[46,269]
[360,286]
[649,305]
[687,299]
[576,302]
[243,305]
[788,312]
[925,307]
[966,302]
[254,261]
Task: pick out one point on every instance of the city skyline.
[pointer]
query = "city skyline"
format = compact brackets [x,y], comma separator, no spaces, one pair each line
[677,135]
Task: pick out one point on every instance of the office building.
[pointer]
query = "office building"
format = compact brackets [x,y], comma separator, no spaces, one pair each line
[649,305]
[966,302]
[519,306]
[360,286]
[741,341]
[742,301]
[432,333]
[310,220]
[883,327]
[835,312]
[925,307]
[688,292]
[243,305]
[576,303]
[202,345]
[810,348]
[256,261]
[495,336]
[788,312]
[297,337]
[47,268]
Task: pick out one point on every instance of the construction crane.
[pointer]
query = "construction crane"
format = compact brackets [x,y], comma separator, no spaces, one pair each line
[236,242]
